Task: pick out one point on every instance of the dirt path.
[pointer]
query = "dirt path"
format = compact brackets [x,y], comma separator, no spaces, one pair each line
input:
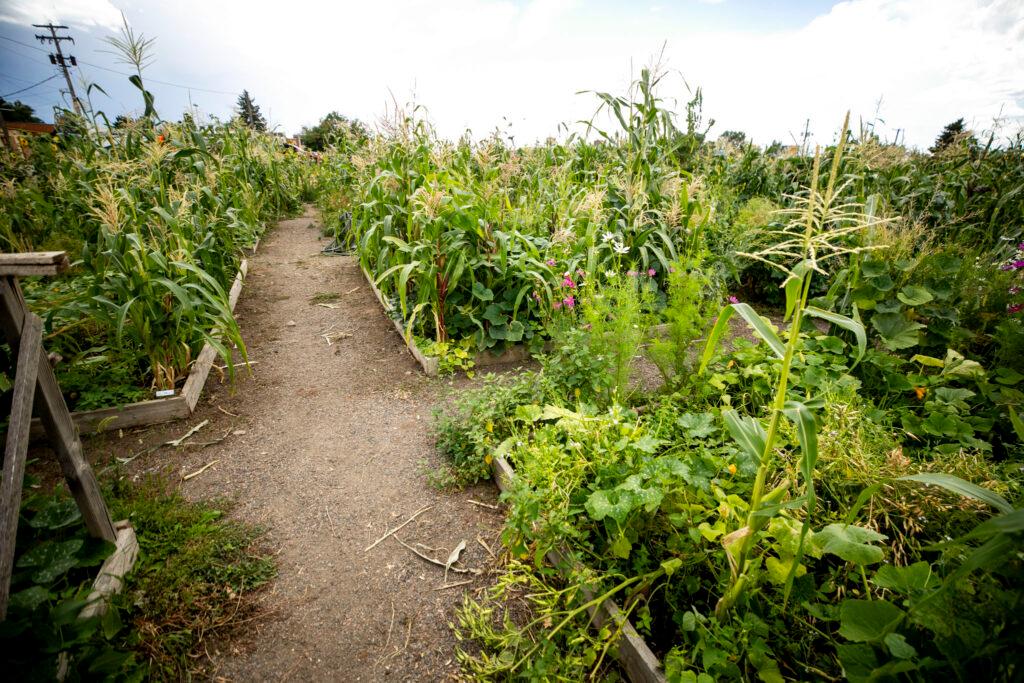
[328,451]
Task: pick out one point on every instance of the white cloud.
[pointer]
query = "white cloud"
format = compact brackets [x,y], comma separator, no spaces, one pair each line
[473,62]
[79,13]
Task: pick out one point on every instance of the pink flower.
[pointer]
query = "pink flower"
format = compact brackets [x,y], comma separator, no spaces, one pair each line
[1015,289]
[550,262]
[557,305]
[651,272]
[569,301]
[580,273]
[631,273]
[733,300]
[567,282]
[1014,308]
[671,269]
[536,296]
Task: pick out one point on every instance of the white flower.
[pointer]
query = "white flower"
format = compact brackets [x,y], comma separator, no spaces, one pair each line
[620,248]
[607,237]
[610,274]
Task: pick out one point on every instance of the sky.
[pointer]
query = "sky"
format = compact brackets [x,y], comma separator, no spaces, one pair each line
[766,68]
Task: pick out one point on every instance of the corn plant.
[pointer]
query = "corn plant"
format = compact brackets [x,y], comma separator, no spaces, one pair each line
[819,229]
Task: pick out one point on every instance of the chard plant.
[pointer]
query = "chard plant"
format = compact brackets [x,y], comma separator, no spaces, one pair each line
[821,227]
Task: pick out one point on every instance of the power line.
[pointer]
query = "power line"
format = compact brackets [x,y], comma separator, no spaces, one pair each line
[29,45]
[122,73]
[59,59]
[34,85]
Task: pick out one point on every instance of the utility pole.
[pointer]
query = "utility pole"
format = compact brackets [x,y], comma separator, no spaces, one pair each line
[59,59]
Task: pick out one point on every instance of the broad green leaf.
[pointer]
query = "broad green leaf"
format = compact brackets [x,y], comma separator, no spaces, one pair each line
[482,293]
[57,514]
[621,547]
[868,621]
[761,328]
[51,559]
[529,413]
[851,543]
[698,425]
[914,295]
[779,570]
[964,488]
[897,332]
[1018,424]
[807,435]
[848,324]
[929,361]
[747,432]
[613,503]
[899,647]
[905,580]
[753,320]
[873,268]
[1006,523]
[30,598]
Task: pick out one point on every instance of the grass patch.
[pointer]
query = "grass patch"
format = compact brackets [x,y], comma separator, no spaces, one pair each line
[325,298]
[194,578]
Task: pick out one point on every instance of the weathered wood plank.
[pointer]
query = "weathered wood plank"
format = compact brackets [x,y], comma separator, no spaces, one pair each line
[15,450]
[428,364]
[641,665]
[110,579]
[197,376]
[193,389]
[50,406]
[33,263]
[149,412]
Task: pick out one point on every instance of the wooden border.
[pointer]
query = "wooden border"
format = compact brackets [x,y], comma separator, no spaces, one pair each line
[110,578]
[514,354]
[640,663]
[428,363]
[157,410]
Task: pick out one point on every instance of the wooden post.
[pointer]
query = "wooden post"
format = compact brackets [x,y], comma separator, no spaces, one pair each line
[36,386]
[16,449]
[54,414]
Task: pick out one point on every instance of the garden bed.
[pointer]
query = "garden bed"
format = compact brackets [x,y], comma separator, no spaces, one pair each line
[157,410]
[639,662]
[514,354]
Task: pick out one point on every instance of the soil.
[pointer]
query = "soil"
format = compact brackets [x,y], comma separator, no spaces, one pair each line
[327,447]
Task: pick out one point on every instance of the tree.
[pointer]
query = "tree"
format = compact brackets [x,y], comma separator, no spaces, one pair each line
[249,112]
[736,137]
[333,129]
[18,112]
[953,133]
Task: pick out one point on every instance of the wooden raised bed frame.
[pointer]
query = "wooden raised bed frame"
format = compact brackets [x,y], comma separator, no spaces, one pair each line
[157,410]
[516,354]
[639,662]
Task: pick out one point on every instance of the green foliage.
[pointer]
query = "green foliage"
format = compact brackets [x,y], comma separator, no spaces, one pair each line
[156,220]
[334,130]
[686,314]
[18,111]
[785,477]
[249,113]
[193,569]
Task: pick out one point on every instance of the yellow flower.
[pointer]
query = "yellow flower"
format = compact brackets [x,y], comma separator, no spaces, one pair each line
[490,426]
[577,392]
[921,392]
[730,364]
[488,459]
[732,469]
